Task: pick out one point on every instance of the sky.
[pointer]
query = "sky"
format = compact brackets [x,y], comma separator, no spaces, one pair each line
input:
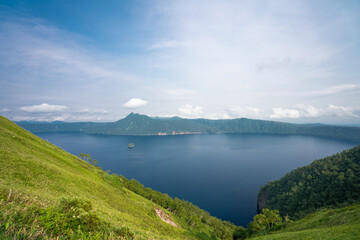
[290,61]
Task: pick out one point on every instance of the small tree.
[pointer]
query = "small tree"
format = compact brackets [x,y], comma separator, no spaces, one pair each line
[86,157]
[272,217]
[266,221]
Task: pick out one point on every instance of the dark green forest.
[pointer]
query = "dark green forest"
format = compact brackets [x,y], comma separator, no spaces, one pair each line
[137,124]
[330,182]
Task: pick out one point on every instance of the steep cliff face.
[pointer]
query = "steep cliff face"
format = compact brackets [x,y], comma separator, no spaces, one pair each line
[261,202]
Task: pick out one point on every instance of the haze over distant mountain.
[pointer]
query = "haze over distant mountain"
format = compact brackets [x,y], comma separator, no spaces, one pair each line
[137,124]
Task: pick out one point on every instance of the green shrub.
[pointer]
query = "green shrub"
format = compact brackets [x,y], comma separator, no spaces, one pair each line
[239,233]
[70,215]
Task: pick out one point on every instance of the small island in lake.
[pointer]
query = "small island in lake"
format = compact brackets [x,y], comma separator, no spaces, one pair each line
[131,145]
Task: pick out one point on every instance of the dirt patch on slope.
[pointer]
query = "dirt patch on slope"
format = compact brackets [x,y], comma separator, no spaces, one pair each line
[165,217]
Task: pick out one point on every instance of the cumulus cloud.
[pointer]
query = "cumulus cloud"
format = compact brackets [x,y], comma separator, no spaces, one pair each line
[135,103]
[309,111]
[342,111]
[45,107]
[285,113]
[237,111]
[190,110]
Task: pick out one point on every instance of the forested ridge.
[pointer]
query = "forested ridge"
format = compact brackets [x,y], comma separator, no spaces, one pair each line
[137,124]
[330,182]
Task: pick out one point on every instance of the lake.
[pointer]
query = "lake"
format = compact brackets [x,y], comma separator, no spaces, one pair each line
[219,173]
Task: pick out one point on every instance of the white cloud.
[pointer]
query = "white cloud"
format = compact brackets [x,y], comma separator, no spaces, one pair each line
[250,112]
[309,111]
[342,111]
[190,111]
[42,108]
[285,113]
[135,103]
[5,110]
[218,116]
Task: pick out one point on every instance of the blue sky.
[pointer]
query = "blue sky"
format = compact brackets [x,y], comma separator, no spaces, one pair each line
[294,61]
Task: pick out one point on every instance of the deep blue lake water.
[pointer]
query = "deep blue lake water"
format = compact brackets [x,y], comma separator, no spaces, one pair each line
[219,173]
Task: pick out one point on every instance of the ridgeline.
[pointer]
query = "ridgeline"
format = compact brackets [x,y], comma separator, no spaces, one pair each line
[137,124]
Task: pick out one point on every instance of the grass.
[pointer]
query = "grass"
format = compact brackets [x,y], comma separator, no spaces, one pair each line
[343,223]
[42,173]
[347,232]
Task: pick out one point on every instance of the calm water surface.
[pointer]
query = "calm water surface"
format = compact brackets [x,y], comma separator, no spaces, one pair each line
[220,173]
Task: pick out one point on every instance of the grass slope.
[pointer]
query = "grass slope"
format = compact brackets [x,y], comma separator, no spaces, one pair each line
[43,173]
[343,223]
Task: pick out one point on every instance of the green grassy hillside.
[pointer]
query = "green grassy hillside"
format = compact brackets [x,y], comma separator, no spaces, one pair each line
[35,174]
[333,224]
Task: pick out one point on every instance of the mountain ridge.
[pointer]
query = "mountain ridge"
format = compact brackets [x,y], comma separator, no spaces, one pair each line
[138,124]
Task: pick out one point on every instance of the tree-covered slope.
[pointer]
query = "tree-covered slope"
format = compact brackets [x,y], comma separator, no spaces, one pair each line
[35,174]
[332,181]
[137,124]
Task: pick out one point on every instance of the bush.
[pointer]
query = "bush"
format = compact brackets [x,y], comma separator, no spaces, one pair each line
[240,233]
[71,215]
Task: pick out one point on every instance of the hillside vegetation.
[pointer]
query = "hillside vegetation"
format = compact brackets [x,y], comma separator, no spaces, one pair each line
[330,182]
[313,195]
[329,224]
[136,124]
[46,192]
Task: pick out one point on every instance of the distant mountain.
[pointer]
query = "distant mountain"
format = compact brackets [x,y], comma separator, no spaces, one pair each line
[137,124]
